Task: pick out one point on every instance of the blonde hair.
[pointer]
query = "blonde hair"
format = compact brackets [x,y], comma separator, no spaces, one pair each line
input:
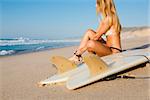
[107,8]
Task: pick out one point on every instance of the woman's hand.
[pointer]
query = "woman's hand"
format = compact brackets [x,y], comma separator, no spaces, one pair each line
[97,37]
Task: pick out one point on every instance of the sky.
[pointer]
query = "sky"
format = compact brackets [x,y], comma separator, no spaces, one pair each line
[58,19]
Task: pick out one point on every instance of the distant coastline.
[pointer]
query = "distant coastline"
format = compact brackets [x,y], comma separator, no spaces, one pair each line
[125,29]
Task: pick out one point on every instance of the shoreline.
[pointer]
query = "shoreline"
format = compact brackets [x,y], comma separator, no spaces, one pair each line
[30,52]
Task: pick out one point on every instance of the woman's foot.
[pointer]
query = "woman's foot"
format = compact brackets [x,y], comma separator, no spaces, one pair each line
[76,58]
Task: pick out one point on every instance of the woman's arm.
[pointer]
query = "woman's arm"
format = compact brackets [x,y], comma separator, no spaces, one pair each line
[103,27]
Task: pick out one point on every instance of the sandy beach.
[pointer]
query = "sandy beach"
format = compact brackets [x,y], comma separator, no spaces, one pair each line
[19,75]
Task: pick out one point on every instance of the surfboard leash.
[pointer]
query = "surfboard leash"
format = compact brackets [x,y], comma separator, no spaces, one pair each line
[133,77]
[113,77]
[125,77]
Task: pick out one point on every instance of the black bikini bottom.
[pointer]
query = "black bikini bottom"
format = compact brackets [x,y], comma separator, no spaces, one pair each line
[104,42]
[112,48]
[116,49]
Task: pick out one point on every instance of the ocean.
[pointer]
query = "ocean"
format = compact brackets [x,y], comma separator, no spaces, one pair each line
[24,45]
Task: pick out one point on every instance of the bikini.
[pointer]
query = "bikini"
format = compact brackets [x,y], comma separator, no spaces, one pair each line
[104,37]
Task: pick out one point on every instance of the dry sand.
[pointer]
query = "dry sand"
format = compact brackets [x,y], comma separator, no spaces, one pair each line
[20,73]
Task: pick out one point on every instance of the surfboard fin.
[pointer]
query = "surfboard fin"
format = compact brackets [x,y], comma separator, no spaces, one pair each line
[95,64]
[62,64]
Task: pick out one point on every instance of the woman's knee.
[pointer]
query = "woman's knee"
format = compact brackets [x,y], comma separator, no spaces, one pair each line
[91,45]
[90,33]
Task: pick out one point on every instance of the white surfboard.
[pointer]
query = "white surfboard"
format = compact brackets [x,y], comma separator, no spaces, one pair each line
[64,75]
[99,68]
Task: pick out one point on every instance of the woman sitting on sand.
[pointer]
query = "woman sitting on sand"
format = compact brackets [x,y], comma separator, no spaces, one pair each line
[106,39]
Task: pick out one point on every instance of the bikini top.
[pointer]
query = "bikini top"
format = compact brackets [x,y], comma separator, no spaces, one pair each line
[104,36]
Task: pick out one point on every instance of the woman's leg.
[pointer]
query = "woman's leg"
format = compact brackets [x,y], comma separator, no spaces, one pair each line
[83,44]
[99,48]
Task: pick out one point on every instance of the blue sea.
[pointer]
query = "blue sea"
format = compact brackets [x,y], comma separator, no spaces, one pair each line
[25,45]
